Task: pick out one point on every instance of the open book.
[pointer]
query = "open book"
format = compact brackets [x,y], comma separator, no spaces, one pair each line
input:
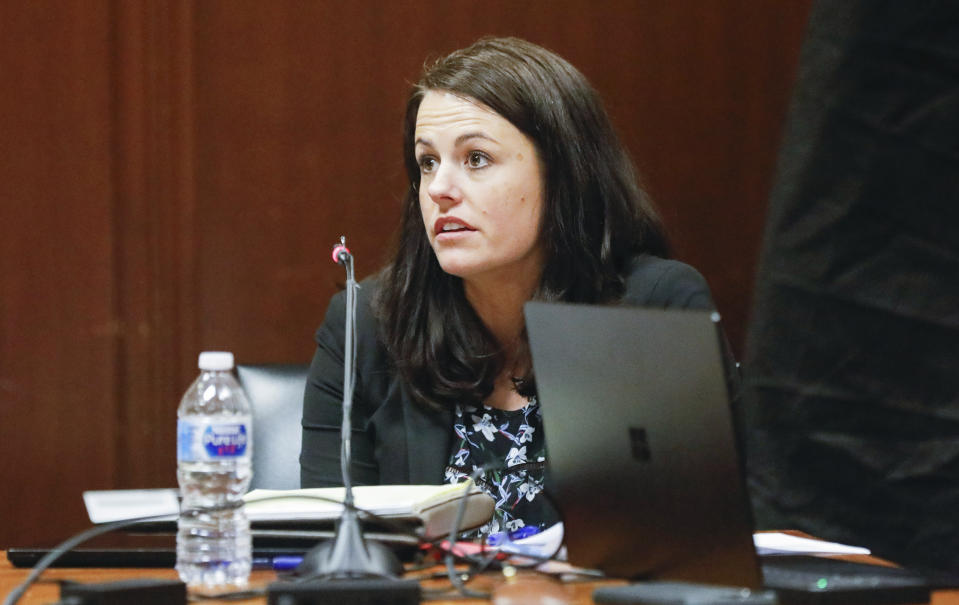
[430,507]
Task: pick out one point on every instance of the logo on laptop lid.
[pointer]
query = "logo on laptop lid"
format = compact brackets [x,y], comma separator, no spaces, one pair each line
[639,444]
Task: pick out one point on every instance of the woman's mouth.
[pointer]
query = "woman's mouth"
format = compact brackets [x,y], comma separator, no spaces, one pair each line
[449,226]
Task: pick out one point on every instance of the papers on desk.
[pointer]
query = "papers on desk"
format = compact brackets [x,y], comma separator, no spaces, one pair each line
[124,504]
[778,543]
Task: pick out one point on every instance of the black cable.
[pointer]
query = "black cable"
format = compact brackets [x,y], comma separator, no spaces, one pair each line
[451,572]
[68,545]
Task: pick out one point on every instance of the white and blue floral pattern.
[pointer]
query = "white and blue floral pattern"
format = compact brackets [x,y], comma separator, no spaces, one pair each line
[513,442]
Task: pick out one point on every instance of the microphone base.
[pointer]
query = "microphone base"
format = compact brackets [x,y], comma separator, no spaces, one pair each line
[349,555]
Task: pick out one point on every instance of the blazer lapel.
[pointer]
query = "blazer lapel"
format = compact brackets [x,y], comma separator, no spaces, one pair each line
[429,435]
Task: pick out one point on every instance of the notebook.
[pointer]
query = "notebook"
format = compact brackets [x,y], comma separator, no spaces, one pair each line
[643,458]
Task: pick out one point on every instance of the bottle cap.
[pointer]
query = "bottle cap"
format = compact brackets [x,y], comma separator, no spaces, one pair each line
[216,360]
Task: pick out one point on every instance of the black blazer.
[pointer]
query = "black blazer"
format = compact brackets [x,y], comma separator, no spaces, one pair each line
[395,440]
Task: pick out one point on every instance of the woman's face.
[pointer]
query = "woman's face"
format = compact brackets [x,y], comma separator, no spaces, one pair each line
[481,190]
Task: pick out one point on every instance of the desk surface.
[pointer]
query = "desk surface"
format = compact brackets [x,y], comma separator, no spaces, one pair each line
[526,584]
[523,589]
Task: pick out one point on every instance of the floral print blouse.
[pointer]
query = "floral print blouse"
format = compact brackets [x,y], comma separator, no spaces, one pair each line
[513,442]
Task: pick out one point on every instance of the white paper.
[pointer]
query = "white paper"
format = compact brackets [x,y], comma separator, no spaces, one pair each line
[123,504]
[777,543]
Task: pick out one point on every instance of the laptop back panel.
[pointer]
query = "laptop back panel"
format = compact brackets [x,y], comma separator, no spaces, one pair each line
[640,442]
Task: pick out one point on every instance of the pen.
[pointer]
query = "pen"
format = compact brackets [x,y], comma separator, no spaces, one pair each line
[501,538]
[278,562]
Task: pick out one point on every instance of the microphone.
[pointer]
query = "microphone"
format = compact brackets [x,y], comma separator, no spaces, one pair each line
[341,254]
[348,555]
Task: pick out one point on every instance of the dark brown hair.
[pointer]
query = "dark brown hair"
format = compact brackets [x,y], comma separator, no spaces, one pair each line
[595,217]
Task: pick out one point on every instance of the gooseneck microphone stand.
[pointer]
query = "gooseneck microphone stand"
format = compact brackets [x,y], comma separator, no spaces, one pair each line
[348,555]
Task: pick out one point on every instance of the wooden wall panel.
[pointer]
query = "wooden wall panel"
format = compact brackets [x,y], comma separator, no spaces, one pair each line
[155,231]
[174,173]
[58,417]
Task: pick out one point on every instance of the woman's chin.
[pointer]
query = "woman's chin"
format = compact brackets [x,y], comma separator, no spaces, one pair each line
[456,269]
[459,267]
[489,270]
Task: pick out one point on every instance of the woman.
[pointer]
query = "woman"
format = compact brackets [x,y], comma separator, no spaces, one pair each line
[518,189]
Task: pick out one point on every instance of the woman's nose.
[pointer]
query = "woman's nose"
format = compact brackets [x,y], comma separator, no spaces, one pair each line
[443,187]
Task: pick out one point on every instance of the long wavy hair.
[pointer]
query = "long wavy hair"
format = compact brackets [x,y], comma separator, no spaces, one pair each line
[596,218]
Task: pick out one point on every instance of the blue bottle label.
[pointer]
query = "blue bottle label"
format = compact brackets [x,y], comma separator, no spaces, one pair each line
[203,439]
[225,440]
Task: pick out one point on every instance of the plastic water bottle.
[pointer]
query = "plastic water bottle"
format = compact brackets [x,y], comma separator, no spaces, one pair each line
[214,453]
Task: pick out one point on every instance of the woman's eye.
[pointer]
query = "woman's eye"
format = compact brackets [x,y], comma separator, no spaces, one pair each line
[427,164]
[477,159]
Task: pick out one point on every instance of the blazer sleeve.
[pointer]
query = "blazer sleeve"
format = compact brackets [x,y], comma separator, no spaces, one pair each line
[663,283]
[670,284]
[323,404]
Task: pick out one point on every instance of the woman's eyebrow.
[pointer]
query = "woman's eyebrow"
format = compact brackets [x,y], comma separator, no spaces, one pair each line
[466,136]
[474,135]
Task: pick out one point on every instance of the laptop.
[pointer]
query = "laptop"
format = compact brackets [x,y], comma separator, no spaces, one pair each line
[643,458]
